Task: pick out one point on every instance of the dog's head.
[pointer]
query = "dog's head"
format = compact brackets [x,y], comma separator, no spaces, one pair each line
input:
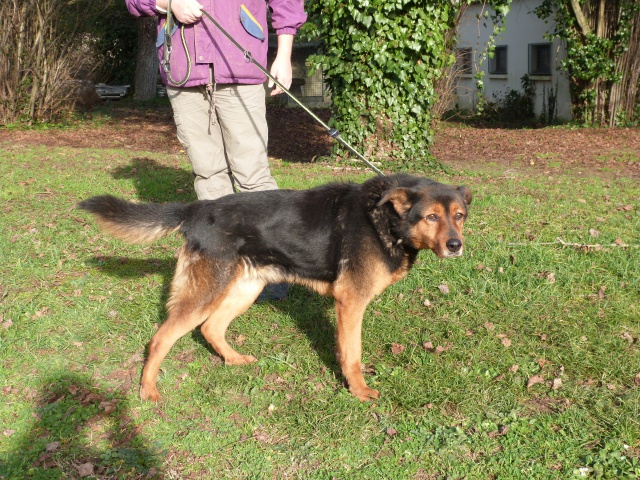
[432,215]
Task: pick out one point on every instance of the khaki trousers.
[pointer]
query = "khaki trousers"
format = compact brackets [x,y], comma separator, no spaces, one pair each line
[227,147]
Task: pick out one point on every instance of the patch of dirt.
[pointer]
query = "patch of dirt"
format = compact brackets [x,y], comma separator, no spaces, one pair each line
[585,150]
[150,129]
[296,137]
[293,135]
[545,405]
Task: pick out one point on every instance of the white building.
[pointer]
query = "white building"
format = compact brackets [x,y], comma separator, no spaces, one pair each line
[523,49]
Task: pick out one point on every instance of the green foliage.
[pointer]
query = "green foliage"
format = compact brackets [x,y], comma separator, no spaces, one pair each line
[381,60]
[611,461]
[115,37]
[512,107]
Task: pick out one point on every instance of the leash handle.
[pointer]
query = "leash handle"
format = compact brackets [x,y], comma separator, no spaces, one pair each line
[166,57]
[168,25]
[330,131]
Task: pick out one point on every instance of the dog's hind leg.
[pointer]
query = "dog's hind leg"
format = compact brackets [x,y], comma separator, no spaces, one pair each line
[179,322]
[192,299]
[350,308]
[238,297]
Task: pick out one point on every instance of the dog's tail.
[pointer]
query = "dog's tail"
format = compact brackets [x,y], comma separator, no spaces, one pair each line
[135,222]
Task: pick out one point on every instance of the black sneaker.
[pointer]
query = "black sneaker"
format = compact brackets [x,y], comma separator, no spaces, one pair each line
[272,292]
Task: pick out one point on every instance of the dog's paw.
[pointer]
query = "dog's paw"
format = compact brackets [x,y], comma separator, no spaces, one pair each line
[150,394]
[365,394]
[240,360]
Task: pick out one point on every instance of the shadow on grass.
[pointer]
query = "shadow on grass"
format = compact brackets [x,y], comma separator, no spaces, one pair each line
[123,267]
[309,311]
[311,314]
[79,430]
[155,182]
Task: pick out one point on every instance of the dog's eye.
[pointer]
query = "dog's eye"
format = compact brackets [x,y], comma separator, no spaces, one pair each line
[459,216]
[432,217]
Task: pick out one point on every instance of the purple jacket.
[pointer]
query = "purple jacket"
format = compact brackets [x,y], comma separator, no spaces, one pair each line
[208,46]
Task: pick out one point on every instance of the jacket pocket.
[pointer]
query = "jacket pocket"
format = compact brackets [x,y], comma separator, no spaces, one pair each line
[181,131]
[253,15]
[251,24]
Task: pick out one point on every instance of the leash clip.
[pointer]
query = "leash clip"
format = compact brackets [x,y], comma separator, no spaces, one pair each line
[166,63]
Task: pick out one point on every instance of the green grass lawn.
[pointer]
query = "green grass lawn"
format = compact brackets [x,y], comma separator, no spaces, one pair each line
[519,360]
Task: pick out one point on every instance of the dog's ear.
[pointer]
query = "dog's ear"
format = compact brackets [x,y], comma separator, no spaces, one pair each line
[399,198]
[466,194]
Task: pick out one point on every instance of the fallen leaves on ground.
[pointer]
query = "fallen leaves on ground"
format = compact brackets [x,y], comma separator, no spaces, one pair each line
[86,469]
[428,346]
[534,380]
[295,136]
[552,150]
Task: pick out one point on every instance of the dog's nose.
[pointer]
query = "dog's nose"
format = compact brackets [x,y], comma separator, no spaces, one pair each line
[454,245]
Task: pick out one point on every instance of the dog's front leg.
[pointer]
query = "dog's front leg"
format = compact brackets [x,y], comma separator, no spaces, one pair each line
[350,310]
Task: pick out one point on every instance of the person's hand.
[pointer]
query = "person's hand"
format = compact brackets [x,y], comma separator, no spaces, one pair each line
[281,68]
[185,11]
[282,71]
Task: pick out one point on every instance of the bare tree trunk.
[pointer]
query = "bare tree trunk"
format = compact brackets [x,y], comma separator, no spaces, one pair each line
[600,21]
[38,59]
[445,86]
[615,97]
[146,75]
[624,95]
[19,49]
[580,18]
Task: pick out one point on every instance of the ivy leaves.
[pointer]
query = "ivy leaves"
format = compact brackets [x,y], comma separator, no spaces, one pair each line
[381,59]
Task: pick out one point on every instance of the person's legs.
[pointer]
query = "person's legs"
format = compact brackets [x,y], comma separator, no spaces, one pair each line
[241,111]
[232,151]
[203,142]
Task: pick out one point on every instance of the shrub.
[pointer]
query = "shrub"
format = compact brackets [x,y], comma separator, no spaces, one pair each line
[382,60]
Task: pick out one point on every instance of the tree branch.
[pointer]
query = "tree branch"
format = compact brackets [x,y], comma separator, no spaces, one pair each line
[596,246]
[582,21]
[600,21]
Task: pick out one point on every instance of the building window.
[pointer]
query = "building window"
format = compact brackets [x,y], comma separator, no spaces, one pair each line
[464,60]
[540,59]
[498,63]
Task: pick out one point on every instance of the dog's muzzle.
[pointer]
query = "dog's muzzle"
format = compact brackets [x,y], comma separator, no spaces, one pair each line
[454,245]
[453,248]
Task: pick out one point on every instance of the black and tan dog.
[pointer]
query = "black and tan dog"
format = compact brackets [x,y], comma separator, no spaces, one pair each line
[348,241]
